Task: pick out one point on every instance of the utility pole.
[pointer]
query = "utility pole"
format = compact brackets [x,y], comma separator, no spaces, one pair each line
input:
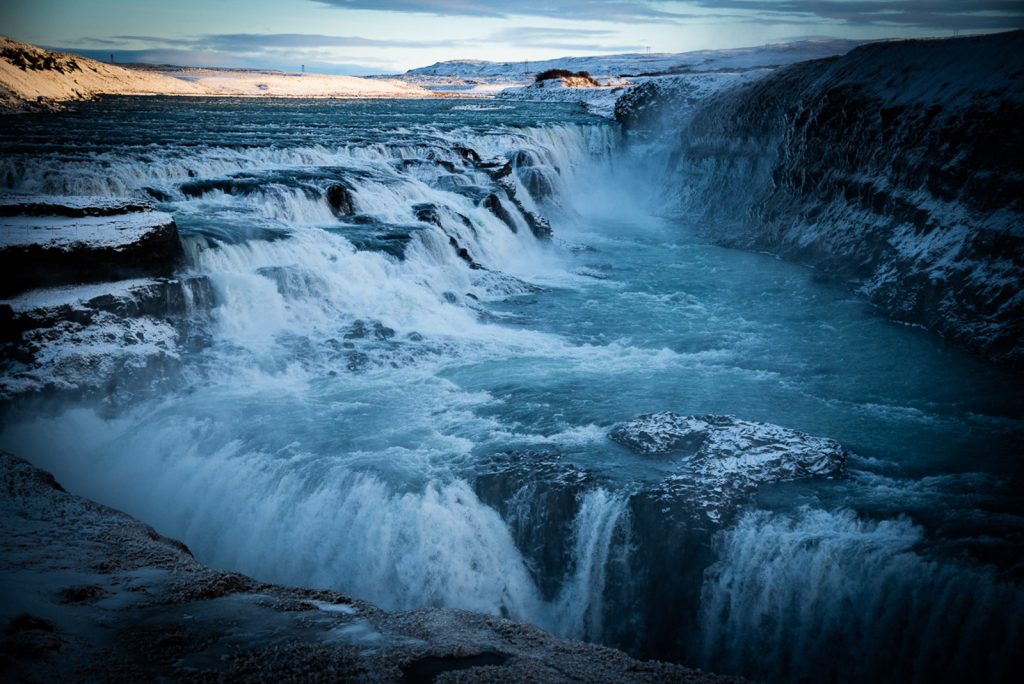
[303,68]
[111,57]
[526,70]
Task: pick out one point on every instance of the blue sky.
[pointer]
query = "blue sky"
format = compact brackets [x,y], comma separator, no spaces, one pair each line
[388,36]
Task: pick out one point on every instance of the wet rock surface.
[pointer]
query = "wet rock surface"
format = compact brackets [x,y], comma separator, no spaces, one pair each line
[100,337]
[659,532]
[538,495]
[151,610]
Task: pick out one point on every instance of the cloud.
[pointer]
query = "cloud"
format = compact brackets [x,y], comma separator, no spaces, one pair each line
[609,10]
[261,42]
[360,66]
[938,14]
[251,51]
[255,42]
[560,39]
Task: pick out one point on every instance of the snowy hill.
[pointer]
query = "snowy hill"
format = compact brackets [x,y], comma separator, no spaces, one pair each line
[482,77]
[31,77]
[29,74]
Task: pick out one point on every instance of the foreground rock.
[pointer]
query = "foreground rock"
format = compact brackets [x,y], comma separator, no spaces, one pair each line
[899,167]
[48,241]
[90,594]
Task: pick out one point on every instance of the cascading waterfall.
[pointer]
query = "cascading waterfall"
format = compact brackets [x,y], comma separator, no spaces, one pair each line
[283,305]
[581,605]
[790,596]
[365,360]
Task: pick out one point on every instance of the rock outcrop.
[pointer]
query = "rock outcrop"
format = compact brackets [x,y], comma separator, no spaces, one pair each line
[91,594]
[34,79]
[723,459]
[90,296]
[49,241]
[899,166]
[657,530]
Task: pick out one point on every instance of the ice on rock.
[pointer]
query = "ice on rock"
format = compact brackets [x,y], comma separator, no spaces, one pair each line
[723,459]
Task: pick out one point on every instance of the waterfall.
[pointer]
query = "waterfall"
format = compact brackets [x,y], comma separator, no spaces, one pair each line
[830,596]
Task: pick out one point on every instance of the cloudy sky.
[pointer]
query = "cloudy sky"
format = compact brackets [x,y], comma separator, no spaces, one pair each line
[388,36]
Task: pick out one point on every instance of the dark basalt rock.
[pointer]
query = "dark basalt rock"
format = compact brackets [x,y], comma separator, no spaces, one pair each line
[463,253]
[493,204]
[663,537]
[538,495]
[469,154]
[366,233]
[339,198]
[382,332]
[229,186]
[537,183]
[725,459]
[539,225]
[125,243]
[40,339]
[650,606]
[170,298]
[156,254]
[158,194]
[71,207]
[427,213]
[499,171]
[361,330]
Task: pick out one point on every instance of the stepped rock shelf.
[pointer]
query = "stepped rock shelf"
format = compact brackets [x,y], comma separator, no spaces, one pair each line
[85,278]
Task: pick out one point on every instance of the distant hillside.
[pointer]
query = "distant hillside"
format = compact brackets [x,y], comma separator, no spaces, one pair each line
[30,75]
[481,76]
[34,78]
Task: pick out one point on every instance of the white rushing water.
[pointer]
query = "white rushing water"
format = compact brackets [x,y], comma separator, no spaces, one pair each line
[332,430]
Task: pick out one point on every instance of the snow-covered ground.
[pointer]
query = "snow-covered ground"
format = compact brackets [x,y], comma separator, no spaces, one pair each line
[722,459]
[600,100]
[687,89]
[478,77]
[92,232]
[700,72]
[230,82]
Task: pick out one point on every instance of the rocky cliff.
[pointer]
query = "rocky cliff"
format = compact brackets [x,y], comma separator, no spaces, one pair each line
[90,594]
[898,167]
